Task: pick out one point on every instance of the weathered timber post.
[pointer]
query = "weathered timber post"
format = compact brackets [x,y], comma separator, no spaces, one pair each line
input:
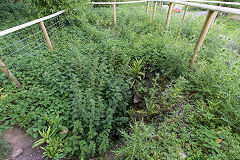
[154,9]
[169,14]
[4,68]
[147,6]
[114,14]
[210,17]
[46,35]
[161,6]
[185,12]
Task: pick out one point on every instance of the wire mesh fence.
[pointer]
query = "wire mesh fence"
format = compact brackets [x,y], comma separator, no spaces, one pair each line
[189,28]
[29,40]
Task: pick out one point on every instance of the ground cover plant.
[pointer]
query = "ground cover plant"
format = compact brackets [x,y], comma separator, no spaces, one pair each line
[4,148]
[130,83]
[13,14]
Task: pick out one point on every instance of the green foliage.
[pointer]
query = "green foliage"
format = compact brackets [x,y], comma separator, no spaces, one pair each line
[13,14]
[174,92]
[101,98]
[54,144]
[179,136]
[84,86]
[153,101]
[73,8]
[80,92]
[4,148]
[136,69]
[232,6]
[140,144]
[46,135]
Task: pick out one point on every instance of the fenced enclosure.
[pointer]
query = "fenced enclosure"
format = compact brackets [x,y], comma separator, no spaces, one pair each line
[113,65]
[211,15]
[31,38]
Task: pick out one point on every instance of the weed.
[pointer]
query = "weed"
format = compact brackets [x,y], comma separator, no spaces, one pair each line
[136,69]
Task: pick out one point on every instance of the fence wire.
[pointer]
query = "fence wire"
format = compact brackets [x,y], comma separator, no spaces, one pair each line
[29,40]
[189,28]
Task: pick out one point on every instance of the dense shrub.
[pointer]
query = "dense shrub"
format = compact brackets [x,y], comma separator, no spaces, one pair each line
[73,8]
[12,14]
[102,97]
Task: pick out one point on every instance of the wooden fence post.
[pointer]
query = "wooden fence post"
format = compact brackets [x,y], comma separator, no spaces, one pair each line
[215,16]
[161,6]
[185,12]
[210,17]
[114,14]
[154,9]
[169,14]
[46,35]
[4,68]
[147,6]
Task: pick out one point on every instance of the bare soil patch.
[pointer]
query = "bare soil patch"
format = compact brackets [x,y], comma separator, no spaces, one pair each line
[21,145]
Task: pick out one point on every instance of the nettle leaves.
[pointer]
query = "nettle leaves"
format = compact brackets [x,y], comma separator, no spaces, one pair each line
[101,98]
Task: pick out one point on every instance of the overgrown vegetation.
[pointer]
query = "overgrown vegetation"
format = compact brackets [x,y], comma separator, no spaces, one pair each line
[103,83]
[13,14]
[4,148]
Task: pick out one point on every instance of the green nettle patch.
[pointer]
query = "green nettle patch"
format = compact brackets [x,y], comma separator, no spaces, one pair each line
[101,97]
[130,84]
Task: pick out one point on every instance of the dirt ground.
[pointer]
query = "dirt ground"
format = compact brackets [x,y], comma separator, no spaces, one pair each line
[21,145]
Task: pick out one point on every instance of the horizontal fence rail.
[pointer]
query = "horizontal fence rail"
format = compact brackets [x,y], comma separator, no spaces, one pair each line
[204,6]
[117,2]
[10,30]
[14,48]
[215,2]
[26,38]
[212,14]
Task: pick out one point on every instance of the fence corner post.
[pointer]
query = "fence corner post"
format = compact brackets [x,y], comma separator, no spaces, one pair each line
[46,35]
[169,14]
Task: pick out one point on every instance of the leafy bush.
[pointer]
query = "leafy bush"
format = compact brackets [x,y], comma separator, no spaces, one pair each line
[8,7]
[73,8]
[101,99]
[12,14]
